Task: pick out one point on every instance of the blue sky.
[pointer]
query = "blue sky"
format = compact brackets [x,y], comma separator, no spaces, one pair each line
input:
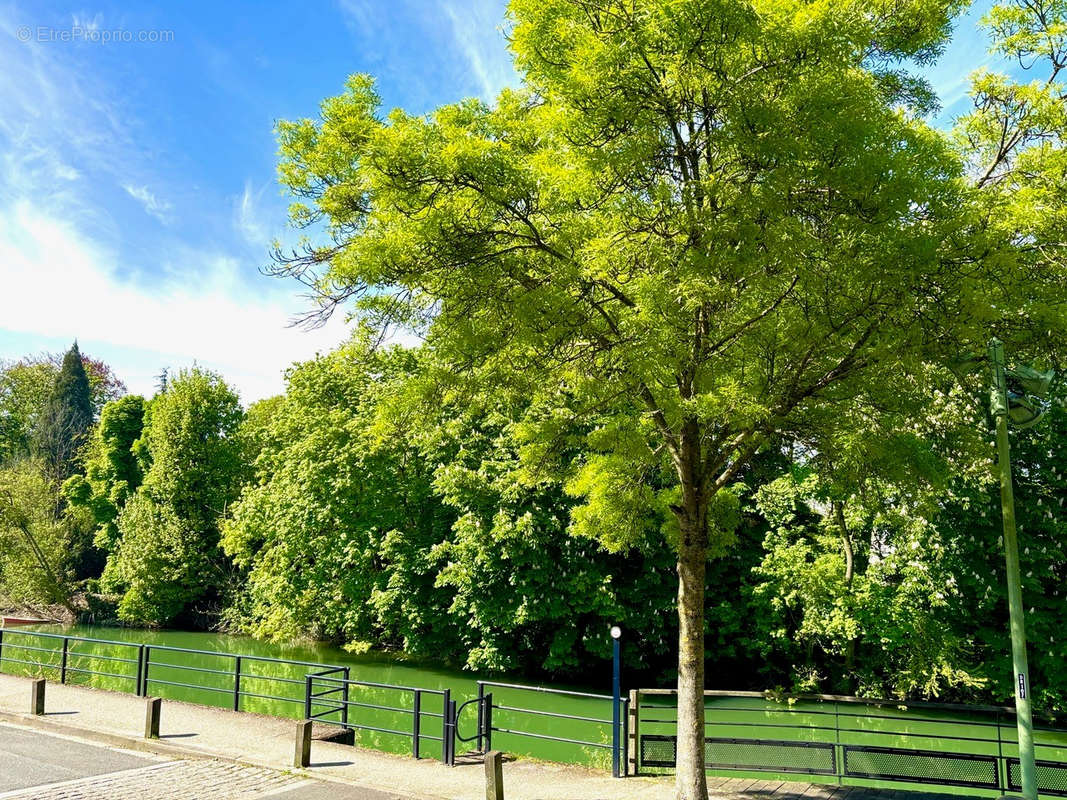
[137,179]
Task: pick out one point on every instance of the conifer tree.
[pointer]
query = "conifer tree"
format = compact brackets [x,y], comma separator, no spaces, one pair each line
[67,416]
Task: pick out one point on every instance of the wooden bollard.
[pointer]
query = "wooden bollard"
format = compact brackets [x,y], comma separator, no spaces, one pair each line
[302,752]
[37,697]
[494,775]
[152,709]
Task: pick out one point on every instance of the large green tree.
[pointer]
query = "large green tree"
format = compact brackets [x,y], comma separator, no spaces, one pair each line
[725,218]
[167,553]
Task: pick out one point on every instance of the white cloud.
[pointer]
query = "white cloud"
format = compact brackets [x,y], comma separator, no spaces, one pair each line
[476,30]
[249,217]
[59,285]
[152,205]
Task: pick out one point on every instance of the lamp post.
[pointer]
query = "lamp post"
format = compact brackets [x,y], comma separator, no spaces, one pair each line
[1016,402]
[616,701]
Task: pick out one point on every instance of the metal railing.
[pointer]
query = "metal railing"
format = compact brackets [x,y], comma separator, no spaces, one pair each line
[67,661]
[519,714]
[852,740]
[335,701]
[233,681]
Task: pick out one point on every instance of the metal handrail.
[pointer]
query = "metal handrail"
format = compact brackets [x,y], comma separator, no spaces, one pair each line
[849,744]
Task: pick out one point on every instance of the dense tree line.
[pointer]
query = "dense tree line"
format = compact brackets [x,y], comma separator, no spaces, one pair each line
[371,506]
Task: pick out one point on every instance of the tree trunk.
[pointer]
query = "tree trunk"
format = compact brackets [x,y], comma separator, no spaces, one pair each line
[850,571]
[691,782]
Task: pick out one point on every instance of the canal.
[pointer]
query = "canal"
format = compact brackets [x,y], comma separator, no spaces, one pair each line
[206,677]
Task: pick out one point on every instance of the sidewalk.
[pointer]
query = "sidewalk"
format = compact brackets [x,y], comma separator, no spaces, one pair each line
[199,731]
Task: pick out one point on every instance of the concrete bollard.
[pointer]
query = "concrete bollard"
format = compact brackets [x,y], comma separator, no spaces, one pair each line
[302,752]
[152,708]
[494,775]
[37,697]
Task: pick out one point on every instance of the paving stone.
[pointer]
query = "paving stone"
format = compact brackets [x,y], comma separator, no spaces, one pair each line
[171,780]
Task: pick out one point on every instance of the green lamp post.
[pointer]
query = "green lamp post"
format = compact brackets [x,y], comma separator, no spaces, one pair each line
[1016,396]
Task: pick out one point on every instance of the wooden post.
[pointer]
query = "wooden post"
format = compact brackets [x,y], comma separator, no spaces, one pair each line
[152,708]
[37,697]
[302,752]
[634,742]
[494,775]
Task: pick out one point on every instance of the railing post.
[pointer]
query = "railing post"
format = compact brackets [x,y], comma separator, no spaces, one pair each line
[625,736]
[839,760]
[489,722]
[307,696]
[633,743]
[416,711]
[1,649]
[446,702]
[1002,764]
[452,736]
[344,696]
[144,670]
[236,683]
[63,660]
[481,714]
[140,671]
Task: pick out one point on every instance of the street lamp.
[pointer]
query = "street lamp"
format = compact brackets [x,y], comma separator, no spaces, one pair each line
[616,702]
[1018,396]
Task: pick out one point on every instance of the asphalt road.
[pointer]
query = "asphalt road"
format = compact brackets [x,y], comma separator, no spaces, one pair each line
[29,758]
[33,763]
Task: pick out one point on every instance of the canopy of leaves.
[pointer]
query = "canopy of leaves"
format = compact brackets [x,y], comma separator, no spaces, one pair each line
[190,455]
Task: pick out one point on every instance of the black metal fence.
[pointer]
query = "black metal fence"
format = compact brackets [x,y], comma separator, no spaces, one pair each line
[852,741]
[522,717]
[328,697]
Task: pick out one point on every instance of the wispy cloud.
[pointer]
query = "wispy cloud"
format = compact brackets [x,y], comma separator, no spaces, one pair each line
[152,205]
[477,30]
[249,218]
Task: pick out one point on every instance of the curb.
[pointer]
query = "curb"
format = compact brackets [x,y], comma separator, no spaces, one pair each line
[156,747]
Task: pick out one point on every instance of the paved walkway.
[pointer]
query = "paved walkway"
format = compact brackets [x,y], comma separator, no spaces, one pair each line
[199,732]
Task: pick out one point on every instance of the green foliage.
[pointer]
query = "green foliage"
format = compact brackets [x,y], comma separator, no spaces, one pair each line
[331,499]
[191,455]
[160,565]
[25,388]
[64,424]
[35,537]
[112,473]
[970,526]
[852,593]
